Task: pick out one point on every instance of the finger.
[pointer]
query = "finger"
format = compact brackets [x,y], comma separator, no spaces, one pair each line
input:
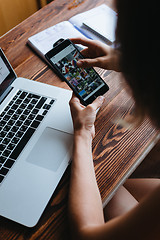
[84,52]
[87,62]
[97,103]
[83,41]
[75,103]
[74,99]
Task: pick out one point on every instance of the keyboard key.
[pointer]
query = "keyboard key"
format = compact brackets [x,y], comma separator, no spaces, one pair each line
[27,122]
[6,141]
[34,101]
[18,101]
[14,106]
[26,100]
[15,140]
[2,114]
[47,106]
[11,146]
[10,112]
[26,112]
[45,112]
[14,129]
[1,178]
[19,111]
[23,95]
[3,134]
[23,106]
[10,135]
[15,117]
[10,103]
[2,147]
[30,106]
[22,117]
[6,117]
[4,171]
[6,109]
[41,102]
[35,111]
[2,159]
[2,123]
[19,134]
[11,122]
[31,95]
[52,101]
[31,116]
[18,123]
[39,117]
[6,153]
[23,128]
[9,163]
[35,124]
[19,92]
[15,97]
[6,128]
[22,143]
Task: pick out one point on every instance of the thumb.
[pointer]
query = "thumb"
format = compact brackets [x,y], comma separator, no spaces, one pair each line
[97,102]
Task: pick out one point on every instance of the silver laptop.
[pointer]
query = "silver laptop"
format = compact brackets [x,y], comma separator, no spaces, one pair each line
[35,144]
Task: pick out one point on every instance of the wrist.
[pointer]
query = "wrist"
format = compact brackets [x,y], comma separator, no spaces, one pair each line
[82,144]
[83,134]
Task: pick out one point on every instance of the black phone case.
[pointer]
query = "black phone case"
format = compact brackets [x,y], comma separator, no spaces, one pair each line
[48,55]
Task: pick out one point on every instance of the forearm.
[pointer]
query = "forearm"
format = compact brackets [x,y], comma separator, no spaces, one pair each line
[85,204]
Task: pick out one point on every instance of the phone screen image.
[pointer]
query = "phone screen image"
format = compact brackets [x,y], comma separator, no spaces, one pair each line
[86,81]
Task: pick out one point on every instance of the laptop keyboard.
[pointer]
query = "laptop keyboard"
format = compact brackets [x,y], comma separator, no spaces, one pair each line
[18,121]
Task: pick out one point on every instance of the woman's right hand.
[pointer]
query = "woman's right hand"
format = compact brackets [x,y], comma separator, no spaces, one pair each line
[84,117]
[98,54]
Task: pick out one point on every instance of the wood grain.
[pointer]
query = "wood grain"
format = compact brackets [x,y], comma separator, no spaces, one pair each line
[13,12]
[116,150]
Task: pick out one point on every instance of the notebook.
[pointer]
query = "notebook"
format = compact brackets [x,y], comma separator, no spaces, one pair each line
[102,24]
[77,26]
[35,144]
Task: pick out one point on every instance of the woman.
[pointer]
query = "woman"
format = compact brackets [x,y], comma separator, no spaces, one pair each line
[133,213]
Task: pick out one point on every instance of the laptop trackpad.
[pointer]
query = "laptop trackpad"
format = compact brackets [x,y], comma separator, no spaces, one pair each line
[50,149]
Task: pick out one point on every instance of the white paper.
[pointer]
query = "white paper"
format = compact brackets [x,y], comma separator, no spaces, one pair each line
[100,18]
[44,40]
[103,23]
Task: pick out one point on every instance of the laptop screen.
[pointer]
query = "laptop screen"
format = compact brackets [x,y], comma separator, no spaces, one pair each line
[7,74]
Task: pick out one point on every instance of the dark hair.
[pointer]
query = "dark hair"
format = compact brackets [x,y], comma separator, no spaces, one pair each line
[138,35]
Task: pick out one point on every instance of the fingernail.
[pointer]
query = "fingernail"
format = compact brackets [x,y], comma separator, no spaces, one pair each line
[79,64]
[101,98]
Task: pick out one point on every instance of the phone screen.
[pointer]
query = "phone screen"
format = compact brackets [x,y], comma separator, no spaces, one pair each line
[86,81]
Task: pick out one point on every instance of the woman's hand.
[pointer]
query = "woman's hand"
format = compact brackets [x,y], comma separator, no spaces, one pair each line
[98,54]
[84,117]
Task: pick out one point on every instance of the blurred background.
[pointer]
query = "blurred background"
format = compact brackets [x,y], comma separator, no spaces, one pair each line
[12,12]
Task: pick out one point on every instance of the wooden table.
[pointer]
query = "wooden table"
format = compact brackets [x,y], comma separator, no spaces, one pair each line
[116,151]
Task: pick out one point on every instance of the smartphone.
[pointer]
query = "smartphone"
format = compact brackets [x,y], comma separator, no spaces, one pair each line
[85,82]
